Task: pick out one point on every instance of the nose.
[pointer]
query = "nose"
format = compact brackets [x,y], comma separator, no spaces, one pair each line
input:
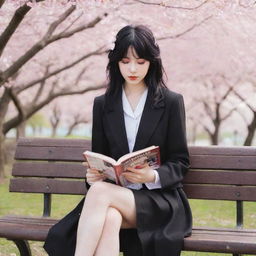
[133,67]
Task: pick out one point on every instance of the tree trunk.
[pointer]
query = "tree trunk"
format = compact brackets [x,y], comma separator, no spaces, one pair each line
[21,130]
[2,154]
[54,130]
[194,131]
[214,138]
[4,103]
[70,129]
[251,131]
[215,135]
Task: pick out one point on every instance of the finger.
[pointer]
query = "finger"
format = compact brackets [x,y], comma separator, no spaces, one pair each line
[140,166]
[130,176]
[133,170]
[132,180]
[95,171]
[85,164]
[97,176]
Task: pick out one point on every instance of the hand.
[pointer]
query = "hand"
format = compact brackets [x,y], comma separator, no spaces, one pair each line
[93,175]
[144,174]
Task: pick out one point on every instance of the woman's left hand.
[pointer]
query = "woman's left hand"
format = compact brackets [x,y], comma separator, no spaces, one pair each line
[144,174]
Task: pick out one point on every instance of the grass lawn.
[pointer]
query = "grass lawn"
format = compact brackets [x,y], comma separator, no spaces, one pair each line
[206,213]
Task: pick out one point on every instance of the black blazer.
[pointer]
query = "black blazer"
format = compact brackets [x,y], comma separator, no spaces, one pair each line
[163,215]
[162,125]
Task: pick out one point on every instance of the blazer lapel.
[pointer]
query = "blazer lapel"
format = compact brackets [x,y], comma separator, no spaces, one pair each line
[150,117]
[115,118]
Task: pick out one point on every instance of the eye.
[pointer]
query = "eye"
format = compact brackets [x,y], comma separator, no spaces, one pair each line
[125,60]
[141,61]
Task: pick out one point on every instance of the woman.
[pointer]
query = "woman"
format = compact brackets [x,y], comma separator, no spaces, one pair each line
[152,216]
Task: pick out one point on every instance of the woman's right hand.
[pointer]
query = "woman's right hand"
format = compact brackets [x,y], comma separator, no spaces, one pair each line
[93,175]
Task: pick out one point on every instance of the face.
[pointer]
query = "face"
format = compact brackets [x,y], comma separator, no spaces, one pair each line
[133,68]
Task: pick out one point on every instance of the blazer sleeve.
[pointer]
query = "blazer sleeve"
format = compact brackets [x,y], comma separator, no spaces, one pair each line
[99,141]
[172,171]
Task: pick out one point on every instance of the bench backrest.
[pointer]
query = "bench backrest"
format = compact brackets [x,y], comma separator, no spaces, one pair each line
[53,166]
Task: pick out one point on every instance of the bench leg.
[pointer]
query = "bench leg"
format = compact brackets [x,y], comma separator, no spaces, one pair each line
[23,247]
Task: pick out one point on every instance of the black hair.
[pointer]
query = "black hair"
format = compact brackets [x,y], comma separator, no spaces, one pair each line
[142,40]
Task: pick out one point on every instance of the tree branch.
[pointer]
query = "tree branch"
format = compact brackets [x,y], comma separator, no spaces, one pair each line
[80,75]
[17,18]
[75,30]
[72,23]
[185,31]
[34,49]
[243,100]
[42,84]
[2,2]
[77,120]
[208,110]
[173,7]
[17,103]
[228,114]
[246,6]
[12,26]
[15,121]
[57,71]
[47,39]
[201,123]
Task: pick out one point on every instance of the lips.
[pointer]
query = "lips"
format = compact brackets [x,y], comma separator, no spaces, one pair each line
[133,77]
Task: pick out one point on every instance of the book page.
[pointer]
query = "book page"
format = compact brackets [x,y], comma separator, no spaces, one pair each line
[103,166]
[100,156]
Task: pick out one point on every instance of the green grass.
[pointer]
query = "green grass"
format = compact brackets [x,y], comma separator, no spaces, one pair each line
[206,213]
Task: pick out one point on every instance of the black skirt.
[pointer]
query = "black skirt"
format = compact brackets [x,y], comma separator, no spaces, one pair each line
[163,220]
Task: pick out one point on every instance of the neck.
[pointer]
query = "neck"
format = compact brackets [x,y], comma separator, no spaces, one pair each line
[134,88]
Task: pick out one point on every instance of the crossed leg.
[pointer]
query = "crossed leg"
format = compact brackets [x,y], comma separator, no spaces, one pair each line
[106,209]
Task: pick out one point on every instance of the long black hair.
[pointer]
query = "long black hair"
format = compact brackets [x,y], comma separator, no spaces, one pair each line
[142,40]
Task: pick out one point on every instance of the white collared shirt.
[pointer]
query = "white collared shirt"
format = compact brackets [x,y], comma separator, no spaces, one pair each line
[132,121]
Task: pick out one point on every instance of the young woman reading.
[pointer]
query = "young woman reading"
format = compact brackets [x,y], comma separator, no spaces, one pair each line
[151,216]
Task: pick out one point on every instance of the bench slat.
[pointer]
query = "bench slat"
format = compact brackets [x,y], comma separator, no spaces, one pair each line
[216,192]
[195,191]
[224,151]
[211,157]
[39,169]
[221,241]
[194,150]
[50,153]
[77,170]
[43,185]
[202,239]
[45,142]
[69,153]
[223,162]
[220,177]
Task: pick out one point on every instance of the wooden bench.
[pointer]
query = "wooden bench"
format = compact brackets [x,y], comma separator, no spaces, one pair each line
[217,173]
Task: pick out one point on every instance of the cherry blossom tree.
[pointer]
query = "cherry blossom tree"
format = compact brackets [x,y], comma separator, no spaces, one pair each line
[51,49]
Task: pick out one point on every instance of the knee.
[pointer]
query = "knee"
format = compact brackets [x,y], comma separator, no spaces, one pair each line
[98,192]
[113,218]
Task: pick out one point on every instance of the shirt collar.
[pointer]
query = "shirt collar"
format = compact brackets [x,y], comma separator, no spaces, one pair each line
[139,108]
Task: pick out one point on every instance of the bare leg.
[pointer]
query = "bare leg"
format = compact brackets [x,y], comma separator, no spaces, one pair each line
[109,240]
[99,198]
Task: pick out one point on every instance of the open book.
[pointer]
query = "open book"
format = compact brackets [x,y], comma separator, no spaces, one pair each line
[113,169]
